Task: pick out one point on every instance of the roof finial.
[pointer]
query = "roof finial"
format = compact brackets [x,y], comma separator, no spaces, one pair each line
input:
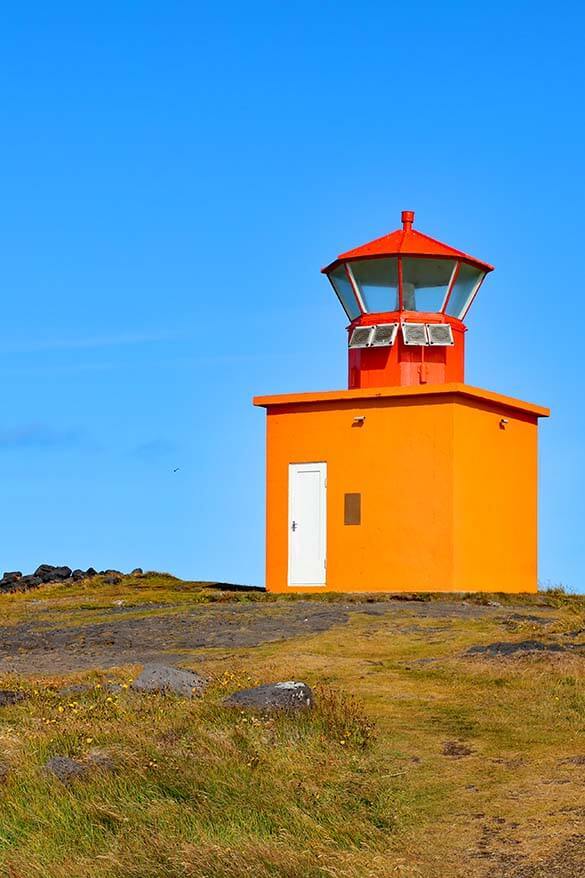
[407,219]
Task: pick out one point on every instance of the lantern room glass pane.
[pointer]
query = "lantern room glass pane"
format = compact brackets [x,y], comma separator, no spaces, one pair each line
[463,288]
[425,283]
[344,289]
[377,280]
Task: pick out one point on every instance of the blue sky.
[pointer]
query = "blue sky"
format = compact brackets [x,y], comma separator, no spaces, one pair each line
[175,174]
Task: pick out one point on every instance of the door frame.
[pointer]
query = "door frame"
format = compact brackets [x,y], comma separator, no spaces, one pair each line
[293,469]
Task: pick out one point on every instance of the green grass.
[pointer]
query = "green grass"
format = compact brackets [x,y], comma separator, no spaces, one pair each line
[358,787]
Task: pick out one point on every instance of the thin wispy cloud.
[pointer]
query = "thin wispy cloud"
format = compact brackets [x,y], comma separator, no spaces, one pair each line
[42,437]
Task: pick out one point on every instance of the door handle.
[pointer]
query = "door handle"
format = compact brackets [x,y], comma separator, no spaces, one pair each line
[294,526]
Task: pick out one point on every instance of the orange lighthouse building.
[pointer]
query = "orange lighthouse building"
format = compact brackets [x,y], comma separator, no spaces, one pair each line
[410,480]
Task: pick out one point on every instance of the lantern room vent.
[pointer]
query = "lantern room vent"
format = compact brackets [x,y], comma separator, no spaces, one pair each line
[414,334]
[384,335]
[360,337]
[440,334]
[380,336]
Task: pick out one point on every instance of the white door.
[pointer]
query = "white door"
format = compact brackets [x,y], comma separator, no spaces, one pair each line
[307,523]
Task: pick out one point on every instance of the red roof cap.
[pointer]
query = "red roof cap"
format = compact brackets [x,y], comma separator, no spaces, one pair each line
[407,242]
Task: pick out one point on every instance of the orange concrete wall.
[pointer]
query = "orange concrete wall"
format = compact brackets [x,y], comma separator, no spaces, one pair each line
[448,498]
[495,508]
[403,542]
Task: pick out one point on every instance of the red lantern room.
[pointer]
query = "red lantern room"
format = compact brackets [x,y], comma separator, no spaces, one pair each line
[406,296]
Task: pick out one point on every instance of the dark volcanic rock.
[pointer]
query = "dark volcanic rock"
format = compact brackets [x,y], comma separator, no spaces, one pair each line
[78,574]
[138,571]
[44,572]
[10,696]
[27,582]
[50,573]
[91,571]
[65,769]
[60,573]
[11,581]
[273,696]
[165,679]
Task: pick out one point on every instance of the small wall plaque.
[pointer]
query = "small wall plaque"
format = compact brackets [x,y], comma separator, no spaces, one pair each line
[352,509]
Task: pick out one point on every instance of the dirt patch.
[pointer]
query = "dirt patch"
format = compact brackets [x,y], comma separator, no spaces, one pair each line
[456,749]
[568,861]
[573,760]
[502,845]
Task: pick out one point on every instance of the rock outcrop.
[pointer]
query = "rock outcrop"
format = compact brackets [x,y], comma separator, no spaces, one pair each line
[288,696]
[164,679]
[14,580]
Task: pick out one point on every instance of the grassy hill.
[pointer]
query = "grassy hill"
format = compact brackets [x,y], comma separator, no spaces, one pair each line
[448,737]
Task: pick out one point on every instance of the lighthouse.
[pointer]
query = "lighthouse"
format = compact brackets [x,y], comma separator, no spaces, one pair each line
[411,479]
